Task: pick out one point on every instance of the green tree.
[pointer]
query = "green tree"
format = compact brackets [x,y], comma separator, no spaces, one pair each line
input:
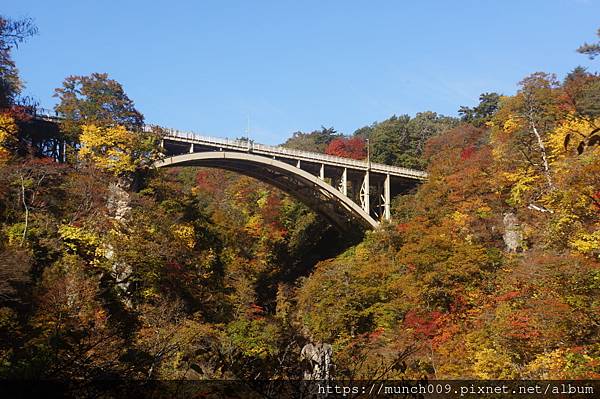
[400,140]
[95,100]
[315,141]
[591,50]
[12,33]
[582,93]
[479,115]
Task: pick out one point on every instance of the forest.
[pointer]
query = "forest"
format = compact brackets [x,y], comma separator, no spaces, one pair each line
[490,269]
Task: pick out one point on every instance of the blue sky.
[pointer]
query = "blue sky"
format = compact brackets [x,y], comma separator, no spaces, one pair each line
[297,65]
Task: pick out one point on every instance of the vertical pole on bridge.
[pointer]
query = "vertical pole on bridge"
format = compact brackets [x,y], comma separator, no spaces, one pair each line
[322,172]
[191,148]
[344,182]
[387,215]
[365,199]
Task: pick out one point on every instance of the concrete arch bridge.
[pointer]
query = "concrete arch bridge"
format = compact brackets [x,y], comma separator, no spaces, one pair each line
[351,194]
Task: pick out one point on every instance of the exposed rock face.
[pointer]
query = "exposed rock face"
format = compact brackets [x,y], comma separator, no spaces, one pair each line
[118,202]
[118,205]
[319,358]
[513,236]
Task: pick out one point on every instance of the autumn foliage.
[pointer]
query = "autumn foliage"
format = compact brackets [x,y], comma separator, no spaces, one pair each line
[353,147]
[489,269]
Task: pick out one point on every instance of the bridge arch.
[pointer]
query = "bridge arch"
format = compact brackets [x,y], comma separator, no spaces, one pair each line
[320,196]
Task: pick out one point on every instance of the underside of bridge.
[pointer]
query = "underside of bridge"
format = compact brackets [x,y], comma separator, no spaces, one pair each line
[322,198]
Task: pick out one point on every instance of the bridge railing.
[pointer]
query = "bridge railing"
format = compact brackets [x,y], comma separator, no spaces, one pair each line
[44,113]
[243,145]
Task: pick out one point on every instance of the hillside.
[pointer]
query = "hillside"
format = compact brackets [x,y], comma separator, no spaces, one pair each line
[490,269]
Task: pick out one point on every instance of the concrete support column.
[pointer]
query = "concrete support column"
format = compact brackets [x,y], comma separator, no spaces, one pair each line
[298,164]
[344,182]
[191,148]
[322,172]
[387,215]
[364,194]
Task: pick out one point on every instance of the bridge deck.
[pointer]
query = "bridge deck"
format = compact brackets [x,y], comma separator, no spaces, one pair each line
[262,149]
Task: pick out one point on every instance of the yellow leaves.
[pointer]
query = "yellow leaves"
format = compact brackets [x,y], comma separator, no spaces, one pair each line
[263,200]
[484,212]
[587,243]
[255,337]
[362,252]
[8,127]
[579,362]
[118,150]
[511,124]
[522,183]
[150,293]
[186,233]
[459,218]
[576,128]
[109,148]
[8,132]
[79,240]
[14,233]
[547,366]
[562,225]
[254,225]
[492,364]
[207,264]
[460,222]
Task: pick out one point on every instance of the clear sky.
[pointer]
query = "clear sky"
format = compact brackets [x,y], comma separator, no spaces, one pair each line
[297,65]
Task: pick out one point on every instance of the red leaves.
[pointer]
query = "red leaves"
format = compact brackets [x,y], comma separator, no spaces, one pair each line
[467,153]
[596,199]
[206,181]
[255,312]
[271,210]
[508,296]
[348,148]
[174,266]
[20,113]
[521,326]
[402,227]
[376,334]
[424,324]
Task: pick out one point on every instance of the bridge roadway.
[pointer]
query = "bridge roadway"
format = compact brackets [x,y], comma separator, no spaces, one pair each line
[348,192]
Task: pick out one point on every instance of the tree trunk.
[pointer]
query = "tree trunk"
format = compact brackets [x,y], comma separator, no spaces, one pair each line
[543,151]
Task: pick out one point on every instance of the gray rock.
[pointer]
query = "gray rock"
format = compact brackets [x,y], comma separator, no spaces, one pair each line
[319,357]
[118,202]
[513,235]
